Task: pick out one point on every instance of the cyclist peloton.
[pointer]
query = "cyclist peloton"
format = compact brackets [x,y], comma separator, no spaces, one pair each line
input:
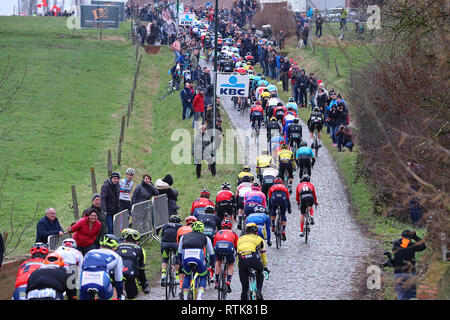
[306,197]
[38,251]
[251,254]
[97,266]
[279,196]
[225,203]
[201,203]
[133,257]
[305,158]
[225,243]
[190,250]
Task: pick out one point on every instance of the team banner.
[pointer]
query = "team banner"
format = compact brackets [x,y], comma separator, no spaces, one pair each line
[232,85]
[99,16]
[186,19]
[121,6]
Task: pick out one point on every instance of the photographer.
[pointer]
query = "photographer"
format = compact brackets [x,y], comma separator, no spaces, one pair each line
[404,250]
[345,138]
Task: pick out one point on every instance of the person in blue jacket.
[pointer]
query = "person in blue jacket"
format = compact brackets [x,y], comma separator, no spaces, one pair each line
[48,226]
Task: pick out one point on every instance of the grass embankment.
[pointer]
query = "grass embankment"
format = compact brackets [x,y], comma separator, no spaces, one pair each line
[383,229]
[68,114]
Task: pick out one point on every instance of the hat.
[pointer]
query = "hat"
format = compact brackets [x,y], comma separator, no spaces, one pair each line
[115,175]
[95,195]
[168,179]
[219,119]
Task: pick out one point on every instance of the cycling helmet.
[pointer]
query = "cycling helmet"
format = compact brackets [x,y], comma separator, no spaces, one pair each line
[205,193]
[54,259]
[131,234]
[258,102]
[251,228]
[303,144]
[69,242]
[39,247]
[227,224]
[283,144]
[210,209]
[295,120]
[130,171]
[273,119]
[291,99]
[109,241]
[256,186]
[174,218]
[246,168]
[259,209]
[273,95]
[246,179]
[249,53]
[191,219]
[305,178]
[266,90]
[198,226]
[278,181]
[226,186]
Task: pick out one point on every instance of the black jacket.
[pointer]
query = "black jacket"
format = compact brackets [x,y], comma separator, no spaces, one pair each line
[110,197]
[404,254]
[302,81]
[143,192]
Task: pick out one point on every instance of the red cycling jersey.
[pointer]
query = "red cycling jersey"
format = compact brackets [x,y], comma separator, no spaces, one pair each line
[305,187]
[201,203]
[26,269]
[226,235]
[278,108]
[182,231]
[224,195]
[278,187]
[257,108]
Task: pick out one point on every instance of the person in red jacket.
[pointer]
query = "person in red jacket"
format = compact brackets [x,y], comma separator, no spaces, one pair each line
[198,105]
[38,252]
[256,114]
[306,197]
[279,196]
[225,244]
[199,204]
[86,230]
[225,203]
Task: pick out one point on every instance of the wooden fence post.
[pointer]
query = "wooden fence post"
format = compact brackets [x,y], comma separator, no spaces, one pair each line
[93,181]
[337,69]
[76,214]
[109,163]
[122,132]
[328,60]
[324,52]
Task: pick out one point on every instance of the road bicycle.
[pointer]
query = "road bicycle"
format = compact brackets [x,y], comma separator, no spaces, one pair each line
[171,286]
[168,91]
[278,227]
[316,143]
[222,289]
[194,283]
[252,288]
[256,128]
[307,225]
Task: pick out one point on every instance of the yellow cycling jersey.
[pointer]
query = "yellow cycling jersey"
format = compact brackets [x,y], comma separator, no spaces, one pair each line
[265,95]
[264,161]
[250,243]
[243,174]
[285,155]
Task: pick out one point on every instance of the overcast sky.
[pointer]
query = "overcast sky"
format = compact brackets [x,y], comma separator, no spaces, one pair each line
[7,7]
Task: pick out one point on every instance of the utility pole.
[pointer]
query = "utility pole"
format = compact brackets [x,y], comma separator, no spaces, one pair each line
[216,30]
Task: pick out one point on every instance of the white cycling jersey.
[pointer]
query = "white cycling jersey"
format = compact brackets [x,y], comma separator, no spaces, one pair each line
[71,256]
[104,260]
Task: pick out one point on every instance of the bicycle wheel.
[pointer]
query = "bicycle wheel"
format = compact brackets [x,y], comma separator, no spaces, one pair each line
[316,143]
[278,229]
[168,276]
[306,227]
[222,289]
[252,285]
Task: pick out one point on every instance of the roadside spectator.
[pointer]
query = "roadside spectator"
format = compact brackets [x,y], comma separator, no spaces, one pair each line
[86,230]
[312,89]
[302,85]
[404,262]
[319,23]
[164,186]
[321,97]
[414,204]
[176,48]
[144,191]
[48,226]
[199,107]
[142,32]
[186,101]
[343,20]
[345,138]
[338,116]
[284,73]
[176,76]
[110,199]
[125,189]
[305,34]
[101,216]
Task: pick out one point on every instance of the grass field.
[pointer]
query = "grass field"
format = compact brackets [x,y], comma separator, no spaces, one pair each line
[68,114]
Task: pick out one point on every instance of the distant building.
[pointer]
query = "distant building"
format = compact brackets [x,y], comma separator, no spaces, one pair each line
[302,5]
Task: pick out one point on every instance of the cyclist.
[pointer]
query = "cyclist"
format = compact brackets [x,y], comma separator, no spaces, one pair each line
[265,160]
[264,96]
[211,222]
[242,189]
[262,220]
[73,258]
[273,124]
[249,58]
[169,243]
[181,232]
[287,121]
[225,202]
[245,172]
[256,114]
[286,162]
[50,281]
[315,121]
[279,111]
[279,197]
[267,179]
[294,132]
[97,266]
[225,244]
[291,103]
[305,158]
[306,197]
[133,256]
[200,204]
[252,254]
[38,251]
[255,196]
[190,250]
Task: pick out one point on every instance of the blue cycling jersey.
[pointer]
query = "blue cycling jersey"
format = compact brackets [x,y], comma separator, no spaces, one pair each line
[305,152]
[261,219]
